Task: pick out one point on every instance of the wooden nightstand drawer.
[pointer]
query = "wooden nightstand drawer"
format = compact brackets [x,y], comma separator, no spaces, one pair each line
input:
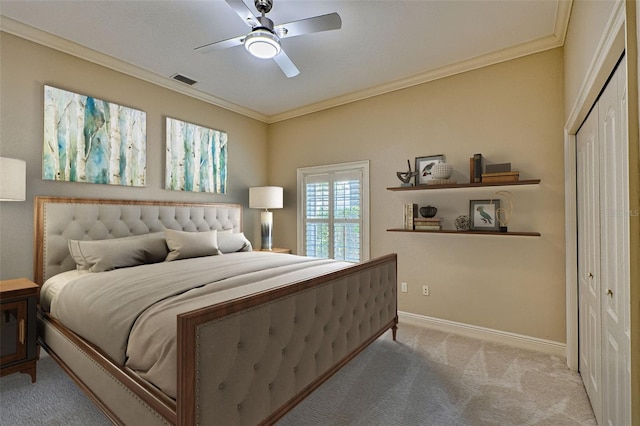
[18,348]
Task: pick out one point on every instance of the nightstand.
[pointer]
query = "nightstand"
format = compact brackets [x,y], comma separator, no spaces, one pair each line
[18,347]
[278,250]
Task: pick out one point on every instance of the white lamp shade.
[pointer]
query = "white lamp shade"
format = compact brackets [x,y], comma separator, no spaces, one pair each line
[13,185]
[265,197]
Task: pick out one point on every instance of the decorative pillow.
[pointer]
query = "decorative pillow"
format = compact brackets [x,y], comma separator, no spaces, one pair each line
[231,243]
[105,255]
[183,245]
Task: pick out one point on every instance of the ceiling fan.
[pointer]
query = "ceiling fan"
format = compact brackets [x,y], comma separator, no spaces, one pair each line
[264,39]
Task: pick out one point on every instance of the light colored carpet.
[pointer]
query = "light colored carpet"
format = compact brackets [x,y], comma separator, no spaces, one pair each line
[54,399]
[438,379]
[426,378]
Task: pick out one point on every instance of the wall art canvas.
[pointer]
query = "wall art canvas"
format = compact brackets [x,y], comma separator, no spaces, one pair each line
[196,158]
[93,141]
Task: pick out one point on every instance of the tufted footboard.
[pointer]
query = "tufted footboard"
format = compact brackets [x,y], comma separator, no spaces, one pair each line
[251,360]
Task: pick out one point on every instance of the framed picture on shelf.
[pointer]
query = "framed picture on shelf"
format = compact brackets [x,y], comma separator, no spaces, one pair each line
[423,167]
[483,214]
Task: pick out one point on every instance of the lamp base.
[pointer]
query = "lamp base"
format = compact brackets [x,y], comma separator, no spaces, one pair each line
[266,225]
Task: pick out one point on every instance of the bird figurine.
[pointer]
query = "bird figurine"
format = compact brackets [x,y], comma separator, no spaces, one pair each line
[486,217]
[405,177]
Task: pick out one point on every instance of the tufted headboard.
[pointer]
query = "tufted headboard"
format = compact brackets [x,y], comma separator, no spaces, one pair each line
[58,220]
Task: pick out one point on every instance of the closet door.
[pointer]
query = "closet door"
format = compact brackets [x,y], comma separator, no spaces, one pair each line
[614,250]
[602,147]
[588,200]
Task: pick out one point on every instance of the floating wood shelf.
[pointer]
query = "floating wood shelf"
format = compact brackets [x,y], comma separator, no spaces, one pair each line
[443,231]
[464,185]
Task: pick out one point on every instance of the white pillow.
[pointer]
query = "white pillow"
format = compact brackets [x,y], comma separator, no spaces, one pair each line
[184,245]
[230,243]
[114,253]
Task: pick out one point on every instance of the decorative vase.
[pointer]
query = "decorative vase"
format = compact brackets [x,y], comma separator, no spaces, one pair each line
[442,171]
[463,223]
[428,211]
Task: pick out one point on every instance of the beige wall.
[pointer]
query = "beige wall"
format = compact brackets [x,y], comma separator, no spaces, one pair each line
[510,112]
[25,67]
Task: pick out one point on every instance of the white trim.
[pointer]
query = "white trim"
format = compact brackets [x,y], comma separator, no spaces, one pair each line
[563,14]
[497,336]
[528,48]
[524,49]
[613,39]
[35,35]
[571,250]
[605,57]
[366,229]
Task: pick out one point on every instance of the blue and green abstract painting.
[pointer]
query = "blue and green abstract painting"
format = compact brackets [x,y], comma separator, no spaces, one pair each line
[196,158]
[91,140]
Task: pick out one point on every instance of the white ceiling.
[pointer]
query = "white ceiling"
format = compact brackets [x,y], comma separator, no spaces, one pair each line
[382,46]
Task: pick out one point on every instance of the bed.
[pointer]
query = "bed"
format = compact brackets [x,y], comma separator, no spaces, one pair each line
[256,335]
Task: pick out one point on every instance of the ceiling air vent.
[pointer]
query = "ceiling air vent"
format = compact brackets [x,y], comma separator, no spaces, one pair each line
[184,79]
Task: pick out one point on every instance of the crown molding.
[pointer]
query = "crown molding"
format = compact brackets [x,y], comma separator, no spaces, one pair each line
[35,35]
[525,49]
[563,13]
[552,41]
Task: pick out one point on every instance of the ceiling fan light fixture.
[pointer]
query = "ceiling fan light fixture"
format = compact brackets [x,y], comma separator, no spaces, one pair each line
[262,44]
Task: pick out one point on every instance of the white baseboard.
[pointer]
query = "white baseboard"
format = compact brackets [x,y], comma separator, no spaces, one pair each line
[504,337]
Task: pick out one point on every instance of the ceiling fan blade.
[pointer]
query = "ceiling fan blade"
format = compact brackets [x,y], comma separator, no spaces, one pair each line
[331,21]
[219,45]
[285,64]
[244,12]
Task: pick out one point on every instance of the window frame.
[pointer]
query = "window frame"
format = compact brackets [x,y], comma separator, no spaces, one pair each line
[355,166]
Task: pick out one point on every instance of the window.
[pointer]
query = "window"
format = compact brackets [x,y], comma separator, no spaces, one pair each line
[333,211]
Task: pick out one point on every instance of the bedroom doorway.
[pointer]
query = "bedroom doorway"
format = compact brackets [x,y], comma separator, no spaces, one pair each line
[604,347]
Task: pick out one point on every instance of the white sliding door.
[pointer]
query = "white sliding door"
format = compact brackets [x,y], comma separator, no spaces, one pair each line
[614,250]
[603,254]
[589,309]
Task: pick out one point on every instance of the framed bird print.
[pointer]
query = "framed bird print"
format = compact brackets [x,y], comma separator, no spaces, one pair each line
[483,214]
[423,167]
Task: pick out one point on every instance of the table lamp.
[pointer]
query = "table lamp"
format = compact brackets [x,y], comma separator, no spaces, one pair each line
[266,197]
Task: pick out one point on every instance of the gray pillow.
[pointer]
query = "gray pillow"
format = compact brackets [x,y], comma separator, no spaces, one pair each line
[231,243]
[105,255]
[184,245]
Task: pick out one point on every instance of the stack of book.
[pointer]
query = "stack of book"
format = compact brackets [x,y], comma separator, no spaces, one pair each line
[410,215]
[427,224]
[501,177]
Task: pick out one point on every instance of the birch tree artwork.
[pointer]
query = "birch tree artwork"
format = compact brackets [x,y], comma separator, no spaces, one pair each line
[196,158]
[93,141]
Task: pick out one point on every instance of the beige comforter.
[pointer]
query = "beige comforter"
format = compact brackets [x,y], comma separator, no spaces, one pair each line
[130,314]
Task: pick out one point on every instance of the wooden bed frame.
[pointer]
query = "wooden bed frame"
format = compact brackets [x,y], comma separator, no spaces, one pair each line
[344,311]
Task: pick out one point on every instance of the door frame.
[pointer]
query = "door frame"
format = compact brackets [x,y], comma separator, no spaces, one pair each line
[607,54]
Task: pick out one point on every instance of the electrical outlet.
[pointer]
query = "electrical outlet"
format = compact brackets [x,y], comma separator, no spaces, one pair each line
[403,287]
[425,290]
